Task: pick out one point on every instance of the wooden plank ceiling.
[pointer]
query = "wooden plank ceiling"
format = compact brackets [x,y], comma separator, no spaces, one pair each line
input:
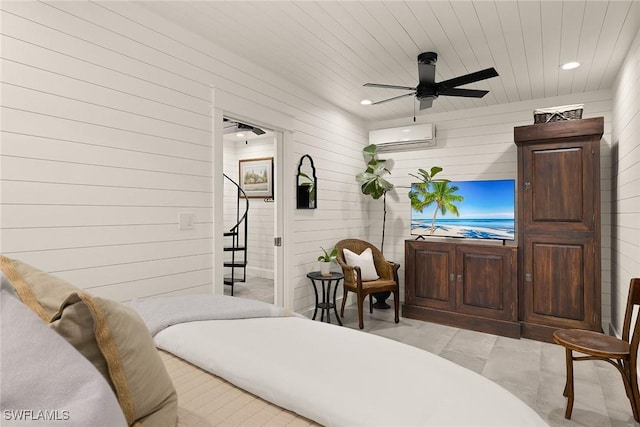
[332,48]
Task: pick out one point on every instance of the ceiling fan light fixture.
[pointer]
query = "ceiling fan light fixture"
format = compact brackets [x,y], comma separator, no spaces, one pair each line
[570,65]
[365,102]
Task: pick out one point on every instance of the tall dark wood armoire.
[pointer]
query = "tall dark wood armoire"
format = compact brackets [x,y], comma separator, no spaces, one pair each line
[559,226]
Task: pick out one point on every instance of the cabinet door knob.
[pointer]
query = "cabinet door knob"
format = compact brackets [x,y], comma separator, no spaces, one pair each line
[459,277]
[452,277]
[527,185]
[527,277]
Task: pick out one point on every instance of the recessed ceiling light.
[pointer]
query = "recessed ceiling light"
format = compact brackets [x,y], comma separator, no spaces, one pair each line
[240,135]
[570,65]
[365,102]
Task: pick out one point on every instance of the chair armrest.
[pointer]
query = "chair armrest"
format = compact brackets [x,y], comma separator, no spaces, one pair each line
[395,267]
[352,275]
[388,270]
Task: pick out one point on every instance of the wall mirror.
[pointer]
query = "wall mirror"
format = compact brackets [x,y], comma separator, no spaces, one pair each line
[306,184]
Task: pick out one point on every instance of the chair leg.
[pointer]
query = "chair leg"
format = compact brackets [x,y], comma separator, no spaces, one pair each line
[370,303]
[632,392]
[360,309]
[344,301]
[635,403]
[396,304]
[568,387]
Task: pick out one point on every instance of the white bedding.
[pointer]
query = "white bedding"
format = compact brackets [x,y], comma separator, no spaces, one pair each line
[333,375]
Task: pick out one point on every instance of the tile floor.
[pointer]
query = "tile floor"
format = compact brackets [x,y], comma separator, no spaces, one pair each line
[534,371]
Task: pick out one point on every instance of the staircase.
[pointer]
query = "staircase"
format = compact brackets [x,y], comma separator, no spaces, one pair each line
[237,261]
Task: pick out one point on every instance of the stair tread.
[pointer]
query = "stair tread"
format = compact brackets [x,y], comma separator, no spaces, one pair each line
[237,248]
[228,281]
[231,233]
[236,264]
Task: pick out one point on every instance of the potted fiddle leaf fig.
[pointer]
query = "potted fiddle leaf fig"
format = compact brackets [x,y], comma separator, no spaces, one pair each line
[372,182]
[326,259]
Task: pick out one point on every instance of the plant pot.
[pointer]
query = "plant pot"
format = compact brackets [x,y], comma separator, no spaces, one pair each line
[325,268]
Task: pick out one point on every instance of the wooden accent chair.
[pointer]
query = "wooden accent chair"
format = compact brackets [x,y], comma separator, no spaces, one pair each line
[621,353]
[387,270]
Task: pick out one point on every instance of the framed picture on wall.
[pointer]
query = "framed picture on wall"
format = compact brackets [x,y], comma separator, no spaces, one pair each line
[256,177]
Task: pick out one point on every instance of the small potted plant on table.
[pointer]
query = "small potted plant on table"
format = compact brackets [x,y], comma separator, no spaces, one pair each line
[326,259]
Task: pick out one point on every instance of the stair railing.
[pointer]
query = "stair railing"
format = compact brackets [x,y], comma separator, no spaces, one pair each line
[234,232]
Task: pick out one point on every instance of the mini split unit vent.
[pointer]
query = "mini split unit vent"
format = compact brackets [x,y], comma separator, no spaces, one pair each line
[403,138]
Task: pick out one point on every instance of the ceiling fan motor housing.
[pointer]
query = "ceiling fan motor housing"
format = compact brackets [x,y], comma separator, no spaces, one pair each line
[424,91]
[428,58]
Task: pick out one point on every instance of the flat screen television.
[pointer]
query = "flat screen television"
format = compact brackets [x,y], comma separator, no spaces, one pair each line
[487,211]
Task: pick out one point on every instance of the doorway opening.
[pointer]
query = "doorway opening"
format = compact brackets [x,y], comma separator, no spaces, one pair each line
[249,209]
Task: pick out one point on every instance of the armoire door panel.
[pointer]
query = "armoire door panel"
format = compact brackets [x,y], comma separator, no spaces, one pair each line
[558,280]
[557,187]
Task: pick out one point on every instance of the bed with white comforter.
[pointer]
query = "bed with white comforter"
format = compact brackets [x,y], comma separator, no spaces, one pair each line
[327,373]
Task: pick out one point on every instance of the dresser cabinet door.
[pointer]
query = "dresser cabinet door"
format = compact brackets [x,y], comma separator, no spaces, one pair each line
[430,272]
[486,284]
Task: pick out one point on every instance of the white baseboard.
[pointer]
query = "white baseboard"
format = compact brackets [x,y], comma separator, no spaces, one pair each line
[260,272]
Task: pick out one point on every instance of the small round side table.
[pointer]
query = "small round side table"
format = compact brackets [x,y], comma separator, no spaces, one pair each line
[326,304]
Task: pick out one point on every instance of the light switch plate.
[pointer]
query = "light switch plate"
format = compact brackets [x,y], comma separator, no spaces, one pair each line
[186,220]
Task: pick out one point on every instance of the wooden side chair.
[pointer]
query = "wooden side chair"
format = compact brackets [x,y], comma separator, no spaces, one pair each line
[353,277]
[621,353]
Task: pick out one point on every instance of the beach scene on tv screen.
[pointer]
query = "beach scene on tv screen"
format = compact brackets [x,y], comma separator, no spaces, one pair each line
[487,211]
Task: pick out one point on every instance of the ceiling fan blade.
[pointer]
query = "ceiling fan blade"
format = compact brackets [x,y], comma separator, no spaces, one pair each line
[394,98]
[388,86]
[467,78]
[427,73]
[469,93]
[426,103]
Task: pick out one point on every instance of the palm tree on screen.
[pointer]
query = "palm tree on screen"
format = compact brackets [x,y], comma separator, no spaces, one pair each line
[442,195]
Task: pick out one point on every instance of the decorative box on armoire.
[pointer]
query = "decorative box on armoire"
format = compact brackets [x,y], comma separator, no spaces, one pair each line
[558,193]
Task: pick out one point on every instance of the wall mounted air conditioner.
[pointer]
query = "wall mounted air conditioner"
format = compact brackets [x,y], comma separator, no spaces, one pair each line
[404,138]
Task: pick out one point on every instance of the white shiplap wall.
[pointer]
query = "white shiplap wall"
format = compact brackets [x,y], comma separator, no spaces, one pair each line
[625,237]
[106,137]
[102,146]
[478,144]
[342,211]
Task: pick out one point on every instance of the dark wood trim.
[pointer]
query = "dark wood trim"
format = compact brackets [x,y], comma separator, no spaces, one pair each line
[461,320]
[555,130]
[538,332]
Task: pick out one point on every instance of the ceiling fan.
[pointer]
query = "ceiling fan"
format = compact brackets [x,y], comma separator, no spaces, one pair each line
[428,90]
[231,126]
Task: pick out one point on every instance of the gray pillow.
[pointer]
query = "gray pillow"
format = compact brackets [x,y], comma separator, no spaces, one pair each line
[108,334]
[44,376]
